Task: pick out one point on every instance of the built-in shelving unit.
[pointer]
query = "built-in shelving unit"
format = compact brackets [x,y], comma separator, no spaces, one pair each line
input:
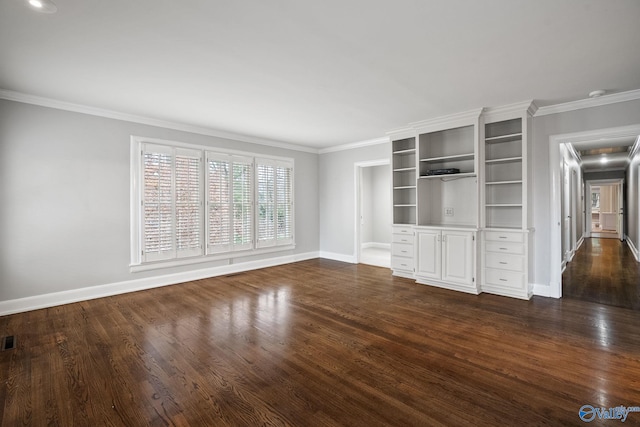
[404,181]
[503,174]
[465,229]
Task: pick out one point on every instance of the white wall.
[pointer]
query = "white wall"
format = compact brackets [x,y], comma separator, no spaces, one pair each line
[337,198]
[613,115]
[64,199]
[633,202]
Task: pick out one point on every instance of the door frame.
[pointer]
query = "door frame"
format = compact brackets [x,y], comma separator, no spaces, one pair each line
[618,182]
[357,173]
[554,224]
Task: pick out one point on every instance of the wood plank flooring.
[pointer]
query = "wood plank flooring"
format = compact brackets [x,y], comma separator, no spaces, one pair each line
[317,343]
[603,271]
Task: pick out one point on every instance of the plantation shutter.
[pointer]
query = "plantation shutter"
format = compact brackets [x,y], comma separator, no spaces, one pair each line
[188,199]
[242,202]
[171,203]
[284,204]
[275,202]
[218,201]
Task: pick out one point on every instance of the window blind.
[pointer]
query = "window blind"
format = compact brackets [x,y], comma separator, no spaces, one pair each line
[218,190]
[171,203]
[275,202]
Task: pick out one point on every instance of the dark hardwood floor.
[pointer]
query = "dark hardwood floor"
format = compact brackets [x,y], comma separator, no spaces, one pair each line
[317,343]
[603,271]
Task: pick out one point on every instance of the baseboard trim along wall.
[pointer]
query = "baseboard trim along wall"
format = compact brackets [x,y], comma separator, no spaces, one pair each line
[338,257]
[633,248]
[83,294]
[542,290]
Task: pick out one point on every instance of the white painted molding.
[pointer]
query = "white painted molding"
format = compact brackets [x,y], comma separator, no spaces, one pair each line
[542,290]
[614,98]
[495,114]
[633,248]
[338,257]
[376,245]
[110,114]
[83,294]
[353,145]
[452,120]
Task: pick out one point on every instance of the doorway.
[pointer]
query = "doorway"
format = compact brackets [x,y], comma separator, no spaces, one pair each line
[605,217]
[373,213]
[558,246]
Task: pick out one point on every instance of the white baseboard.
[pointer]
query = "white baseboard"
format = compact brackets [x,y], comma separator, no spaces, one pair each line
[83,294]
[633,248]
[541,290]
[580,242]
[376,245]
[338,257]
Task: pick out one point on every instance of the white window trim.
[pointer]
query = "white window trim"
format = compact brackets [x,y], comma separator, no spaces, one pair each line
[136,212]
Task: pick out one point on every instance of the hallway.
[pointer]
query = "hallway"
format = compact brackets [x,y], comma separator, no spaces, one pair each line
[603,271]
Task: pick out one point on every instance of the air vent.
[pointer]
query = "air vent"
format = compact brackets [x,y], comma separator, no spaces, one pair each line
[8,343]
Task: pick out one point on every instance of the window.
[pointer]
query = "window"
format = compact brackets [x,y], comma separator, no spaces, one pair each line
[190,204]
[275,202]
[171,203]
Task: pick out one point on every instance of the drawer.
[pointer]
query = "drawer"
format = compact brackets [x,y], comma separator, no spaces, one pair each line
[402,250]
[403,230]
[504,278]
[505,247]
[505,262]
[401,263]
[402,238]
[500,236]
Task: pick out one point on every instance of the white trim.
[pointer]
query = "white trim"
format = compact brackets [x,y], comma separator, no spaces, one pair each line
[555,267]
[542,291]
[353,145]
[92,292]
[338,257]
[10,95]
[634,250]
[376,245]
[588,103]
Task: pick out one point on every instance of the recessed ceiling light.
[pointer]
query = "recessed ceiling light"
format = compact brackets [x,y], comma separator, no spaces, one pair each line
[597,93]
[42,6]
[604,159]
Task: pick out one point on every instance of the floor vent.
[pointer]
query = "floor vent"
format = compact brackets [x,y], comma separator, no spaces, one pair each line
[8,343]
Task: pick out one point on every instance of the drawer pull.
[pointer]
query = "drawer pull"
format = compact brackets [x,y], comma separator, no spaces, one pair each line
[503,280]
[404,265]
[504,249]
[502,262]
[404,252]
[404,240]
[502,237]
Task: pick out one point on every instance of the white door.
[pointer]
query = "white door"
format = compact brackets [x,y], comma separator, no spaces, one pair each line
[457,257]
[566,209]
[429,254]
[620,225]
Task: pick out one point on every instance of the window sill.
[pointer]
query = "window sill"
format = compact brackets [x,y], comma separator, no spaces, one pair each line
[136,268]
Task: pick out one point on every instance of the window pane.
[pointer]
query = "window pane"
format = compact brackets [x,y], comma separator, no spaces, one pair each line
[158,205]
[219,202]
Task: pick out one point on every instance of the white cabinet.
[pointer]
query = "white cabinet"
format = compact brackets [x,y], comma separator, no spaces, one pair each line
[446,258]
[505,261]
[457,180]
[403,252]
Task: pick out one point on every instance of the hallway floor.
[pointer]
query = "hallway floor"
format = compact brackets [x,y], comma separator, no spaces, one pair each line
[603,271]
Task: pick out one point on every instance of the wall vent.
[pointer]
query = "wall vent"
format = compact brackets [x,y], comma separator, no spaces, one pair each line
[8,343]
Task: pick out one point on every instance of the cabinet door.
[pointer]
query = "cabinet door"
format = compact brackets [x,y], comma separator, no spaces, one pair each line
[457,257]
[429,254]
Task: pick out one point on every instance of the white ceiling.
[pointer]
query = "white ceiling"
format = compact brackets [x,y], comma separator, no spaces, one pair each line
[318,73]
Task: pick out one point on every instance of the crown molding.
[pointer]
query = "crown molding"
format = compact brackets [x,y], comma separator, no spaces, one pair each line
[580,104]
[10,95]
[353,145]
[452,120]
[494,114]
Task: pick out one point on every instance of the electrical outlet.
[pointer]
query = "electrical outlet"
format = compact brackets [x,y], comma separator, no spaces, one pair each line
[448,211]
